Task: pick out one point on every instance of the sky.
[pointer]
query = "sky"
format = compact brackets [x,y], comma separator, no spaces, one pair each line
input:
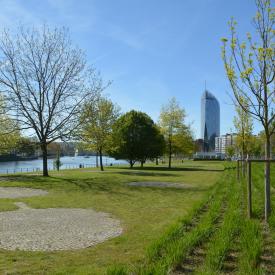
[151,50]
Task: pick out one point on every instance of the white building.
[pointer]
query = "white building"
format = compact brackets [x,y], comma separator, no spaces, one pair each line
[223,142]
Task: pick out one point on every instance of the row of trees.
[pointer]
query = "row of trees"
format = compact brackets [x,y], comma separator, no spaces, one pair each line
[134,136]
[250,68]
[246,144]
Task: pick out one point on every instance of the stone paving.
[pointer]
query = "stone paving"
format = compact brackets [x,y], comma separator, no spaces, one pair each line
[20,192]
[52,229]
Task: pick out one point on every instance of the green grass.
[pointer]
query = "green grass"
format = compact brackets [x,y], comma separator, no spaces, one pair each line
[220,243]
[253,247]
[156,222]
[168,251]
[145,213]
[235,233]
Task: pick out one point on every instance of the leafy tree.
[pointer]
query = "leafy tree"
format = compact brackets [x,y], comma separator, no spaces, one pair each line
[250,68]
[257,146]
[183,142]
[26,146]
[230,151]
[173,127]
[9,133]
[98,119]
[57,162]
[45,81]
[135,138]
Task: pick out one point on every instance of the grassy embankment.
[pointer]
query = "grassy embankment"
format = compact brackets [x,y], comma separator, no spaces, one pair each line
[145,213]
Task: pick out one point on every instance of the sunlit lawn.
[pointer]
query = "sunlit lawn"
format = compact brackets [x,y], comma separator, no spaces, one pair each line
[145,213]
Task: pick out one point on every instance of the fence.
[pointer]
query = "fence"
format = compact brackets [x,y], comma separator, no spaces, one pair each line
[245,165]
[63,167]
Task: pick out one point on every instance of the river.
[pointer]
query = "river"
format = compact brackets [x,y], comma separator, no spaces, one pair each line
[67,163]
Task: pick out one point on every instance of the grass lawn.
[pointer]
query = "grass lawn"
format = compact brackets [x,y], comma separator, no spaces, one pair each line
[145,213]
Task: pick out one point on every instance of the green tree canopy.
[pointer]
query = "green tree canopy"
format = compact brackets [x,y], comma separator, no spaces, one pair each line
[136,138]
[26,146]
[9,134]
[183,142]
[98,119]
[177,134]
[230,151]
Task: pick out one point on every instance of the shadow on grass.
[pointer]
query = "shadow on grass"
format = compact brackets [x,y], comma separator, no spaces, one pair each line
[105,184]
[86,184]
[169,189]
[33,179]
[172,169]
[134,172]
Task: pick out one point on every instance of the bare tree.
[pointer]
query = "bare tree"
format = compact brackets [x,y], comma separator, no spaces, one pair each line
[250,67]
[43,78]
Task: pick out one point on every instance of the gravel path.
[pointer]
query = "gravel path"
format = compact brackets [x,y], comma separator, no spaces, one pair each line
[55,228]
[19,192]
[157,184]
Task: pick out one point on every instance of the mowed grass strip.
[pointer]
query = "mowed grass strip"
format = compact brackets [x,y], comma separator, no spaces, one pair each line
[145,213]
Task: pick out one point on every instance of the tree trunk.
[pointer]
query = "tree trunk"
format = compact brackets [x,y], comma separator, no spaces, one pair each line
[141,164]
[267,178]
[249,195]
[170,153]
[45,159]
[157,161]
[96,160]
[131,164]
[100,160]
[243,151]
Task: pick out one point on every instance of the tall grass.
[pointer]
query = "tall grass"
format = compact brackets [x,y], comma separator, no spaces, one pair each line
[177,230]
[222,240]
[251,245]
[251,239]
[174,251]
[236,223]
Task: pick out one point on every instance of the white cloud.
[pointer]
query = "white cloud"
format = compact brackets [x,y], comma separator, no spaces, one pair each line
[133,39]
[12,13]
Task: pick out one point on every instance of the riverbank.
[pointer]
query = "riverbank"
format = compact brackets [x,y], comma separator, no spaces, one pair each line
[8,158]
[35,165]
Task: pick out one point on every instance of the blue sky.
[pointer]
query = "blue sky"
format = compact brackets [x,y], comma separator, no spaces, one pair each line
[150,49]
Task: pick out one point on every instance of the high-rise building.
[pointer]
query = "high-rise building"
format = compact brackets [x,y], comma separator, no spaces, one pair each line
[210,120]
[224,141]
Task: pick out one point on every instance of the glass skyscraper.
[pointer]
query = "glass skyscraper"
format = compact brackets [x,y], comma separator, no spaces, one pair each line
[210,120]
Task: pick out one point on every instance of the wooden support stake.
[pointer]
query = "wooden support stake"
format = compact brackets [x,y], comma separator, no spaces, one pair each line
[238,170]
[249,195]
